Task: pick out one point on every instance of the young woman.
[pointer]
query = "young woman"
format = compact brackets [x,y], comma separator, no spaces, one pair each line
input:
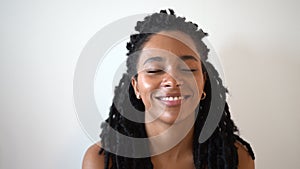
[162,103]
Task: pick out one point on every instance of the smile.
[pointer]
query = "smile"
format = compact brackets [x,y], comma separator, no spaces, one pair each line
[172,100]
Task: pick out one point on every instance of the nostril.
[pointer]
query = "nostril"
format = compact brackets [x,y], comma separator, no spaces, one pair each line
[167,84]
[172,83]
[179,83]
[169,80]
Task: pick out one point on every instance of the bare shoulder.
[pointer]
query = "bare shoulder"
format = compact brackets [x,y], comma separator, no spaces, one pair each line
[92,159]
[245,160]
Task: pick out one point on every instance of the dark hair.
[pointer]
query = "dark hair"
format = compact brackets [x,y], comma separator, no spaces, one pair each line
[218,152]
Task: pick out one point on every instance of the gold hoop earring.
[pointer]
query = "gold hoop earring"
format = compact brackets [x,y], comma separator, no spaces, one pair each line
[203,96]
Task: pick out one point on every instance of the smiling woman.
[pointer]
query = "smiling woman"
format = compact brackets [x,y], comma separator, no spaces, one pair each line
[169,78]
[162,103]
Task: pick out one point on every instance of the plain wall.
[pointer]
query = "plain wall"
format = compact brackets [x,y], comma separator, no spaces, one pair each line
[40,42]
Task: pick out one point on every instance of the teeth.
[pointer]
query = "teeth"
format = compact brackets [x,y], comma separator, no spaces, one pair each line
[171,98]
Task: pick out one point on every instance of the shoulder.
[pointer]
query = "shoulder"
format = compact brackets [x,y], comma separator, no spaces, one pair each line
[245,160]
[92,159]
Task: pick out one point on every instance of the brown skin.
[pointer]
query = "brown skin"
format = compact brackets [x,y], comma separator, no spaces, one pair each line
[169,67]
[92,159]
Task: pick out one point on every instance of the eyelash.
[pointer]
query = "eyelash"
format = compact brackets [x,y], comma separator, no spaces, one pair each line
[154,71]
[189,70]
[160,71]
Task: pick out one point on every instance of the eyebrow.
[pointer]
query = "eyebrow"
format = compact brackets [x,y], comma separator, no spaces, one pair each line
[156,58]
[188,57]
[160,59]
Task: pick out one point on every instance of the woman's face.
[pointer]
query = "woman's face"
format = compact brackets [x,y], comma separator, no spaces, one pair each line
[170,81]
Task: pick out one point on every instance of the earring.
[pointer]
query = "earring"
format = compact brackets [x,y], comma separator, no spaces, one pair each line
[203,96]
[138,96]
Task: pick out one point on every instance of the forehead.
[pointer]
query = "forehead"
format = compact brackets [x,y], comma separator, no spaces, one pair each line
[174,42]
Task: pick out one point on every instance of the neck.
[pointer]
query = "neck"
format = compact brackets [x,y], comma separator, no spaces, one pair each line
[171,141]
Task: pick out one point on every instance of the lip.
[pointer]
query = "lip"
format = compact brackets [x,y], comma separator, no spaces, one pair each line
[173,99]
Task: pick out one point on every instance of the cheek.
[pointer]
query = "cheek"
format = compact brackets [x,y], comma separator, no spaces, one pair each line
[147,86]
[145,83]
[197,84]
[200,84]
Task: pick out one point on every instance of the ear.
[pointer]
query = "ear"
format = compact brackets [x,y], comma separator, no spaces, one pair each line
[134,85]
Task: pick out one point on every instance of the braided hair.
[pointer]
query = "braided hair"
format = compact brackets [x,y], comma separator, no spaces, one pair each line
[217,152]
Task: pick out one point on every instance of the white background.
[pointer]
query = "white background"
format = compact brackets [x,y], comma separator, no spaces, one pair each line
[40,42]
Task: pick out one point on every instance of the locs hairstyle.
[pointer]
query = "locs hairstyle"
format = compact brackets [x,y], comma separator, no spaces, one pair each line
[218,152]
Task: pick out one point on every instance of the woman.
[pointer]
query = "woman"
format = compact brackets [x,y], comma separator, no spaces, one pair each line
[163,101]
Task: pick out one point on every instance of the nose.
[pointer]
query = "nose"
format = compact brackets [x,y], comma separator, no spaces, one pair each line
[171,81]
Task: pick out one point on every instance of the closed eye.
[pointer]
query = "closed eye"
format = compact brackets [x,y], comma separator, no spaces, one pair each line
[189,70]
[154,71]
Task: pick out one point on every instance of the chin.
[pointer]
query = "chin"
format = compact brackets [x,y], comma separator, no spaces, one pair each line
[173,118]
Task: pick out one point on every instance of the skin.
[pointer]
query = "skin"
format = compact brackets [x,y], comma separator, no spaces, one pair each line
[169,66]
[92,160]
